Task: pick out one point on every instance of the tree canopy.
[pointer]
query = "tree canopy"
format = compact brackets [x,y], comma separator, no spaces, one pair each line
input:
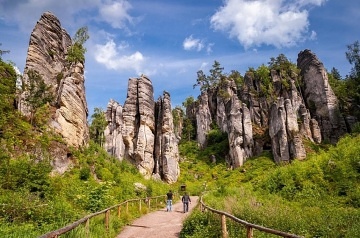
[76,52]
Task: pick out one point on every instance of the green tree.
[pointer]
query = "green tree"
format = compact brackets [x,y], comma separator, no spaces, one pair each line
[237,78]
[210,81]
[3,51]
[97,127]
[353,56]
[335,73]
[38,93]
[76,52]
[188,130]
[188,101]
[339,87]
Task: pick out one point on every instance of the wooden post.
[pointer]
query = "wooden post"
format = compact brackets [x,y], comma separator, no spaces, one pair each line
[107,217]
[149,203]
[127,207]
[140,206]
[156,205]
[119,211]
[223,226]
[87,227]
[249,232]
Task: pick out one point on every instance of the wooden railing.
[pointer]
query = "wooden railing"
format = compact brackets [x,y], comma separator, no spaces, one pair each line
[86,219]
[249,226]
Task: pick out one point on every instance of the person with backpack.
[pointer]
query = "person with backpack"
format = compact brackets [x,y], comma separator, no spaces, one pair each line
[169,197]
[186,200]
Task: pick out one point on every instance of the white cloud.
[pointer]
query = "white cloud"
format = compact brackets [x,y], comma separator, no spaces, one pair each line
[279,23]
[116,13]
[191,43]
[113,12]
[109,56]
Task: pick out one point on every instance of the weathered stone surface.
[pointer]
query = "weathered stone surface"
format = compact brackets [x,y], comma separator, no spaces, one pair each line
[203,119]
[47,56]
[139,125]
[166,147]
[143,131]
[70,119]
[319,97]
[284,132]
[114,143]
[239,133]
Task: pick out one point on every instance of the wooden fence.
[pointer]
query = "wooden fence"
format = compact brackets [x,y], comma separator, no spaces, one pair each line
[249,226]
[86,219]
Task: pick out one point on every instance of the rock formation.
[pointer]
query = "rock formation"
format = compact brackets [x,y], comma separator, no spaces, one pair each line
[47,57]
[319,97]
[281,113]
[143,132]
[166,144]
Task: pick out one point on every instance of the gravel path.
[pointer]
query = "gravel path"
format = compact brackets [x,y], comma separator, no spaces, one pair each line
[159,223]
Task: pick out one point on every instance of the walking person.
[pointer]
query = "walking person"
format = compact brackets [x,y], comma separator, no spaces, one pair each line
[186,200]
[169,197]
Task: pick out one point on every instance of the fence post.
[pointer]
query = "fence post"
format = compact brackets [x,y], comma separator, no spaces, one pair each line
[119,211]
[249,232]
[140,206]
[87,228]
[223,226]
[127,207]
[107,216]
[149,203]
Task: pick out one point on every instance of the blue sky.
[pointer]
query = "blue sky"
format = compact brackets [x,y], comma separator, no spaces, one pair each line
[170,40]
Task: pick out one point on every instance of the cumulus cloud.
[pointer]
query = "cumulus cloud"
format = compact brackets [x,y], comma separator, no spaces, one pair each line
[279,23]
[191,43]
[110,56]
[116,13]
[113,12]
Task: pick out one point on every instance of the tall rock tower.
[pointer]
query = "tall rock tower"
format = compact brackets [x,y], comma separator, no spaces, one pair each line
[142,131]
[46,57]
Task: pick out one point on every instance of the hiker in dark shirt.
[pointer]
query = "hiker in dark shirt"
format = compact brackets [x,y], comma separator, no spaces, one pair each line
[186,200]
[169,196]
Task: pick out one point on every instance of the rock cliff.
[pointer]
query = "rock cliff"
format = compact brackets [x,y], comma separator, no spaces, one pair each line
[319,97]
[275,115]
[142,131]
[47,57]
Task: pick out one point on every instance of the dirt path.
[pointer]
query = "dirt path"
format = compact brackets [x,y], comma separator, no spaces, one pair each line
[159,223]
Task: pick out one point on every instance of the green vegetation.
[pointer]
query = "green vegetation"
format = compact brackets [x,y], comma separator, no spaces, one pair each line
[97,126]
[76,52]
[319,197]
[33,198]
[38,95]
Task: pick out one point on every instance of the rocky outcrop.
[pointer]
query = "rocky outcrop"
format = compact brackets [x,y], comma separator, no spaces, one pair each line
[143,131]
[114,143]
[47,57]
[203,119]
[139,125]
[319,97]
[222,107]
[284,132]
[166,144]
[273,110]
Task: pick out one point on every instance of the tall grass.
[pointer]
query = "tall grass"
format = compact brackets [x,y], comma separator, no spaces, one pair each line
[318,197]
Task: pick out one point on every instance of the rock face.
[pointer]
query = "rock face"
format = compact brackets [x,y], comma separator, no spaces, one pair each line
[143,132]
[319,97]
[47,57]
[275,116]
[166,144]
